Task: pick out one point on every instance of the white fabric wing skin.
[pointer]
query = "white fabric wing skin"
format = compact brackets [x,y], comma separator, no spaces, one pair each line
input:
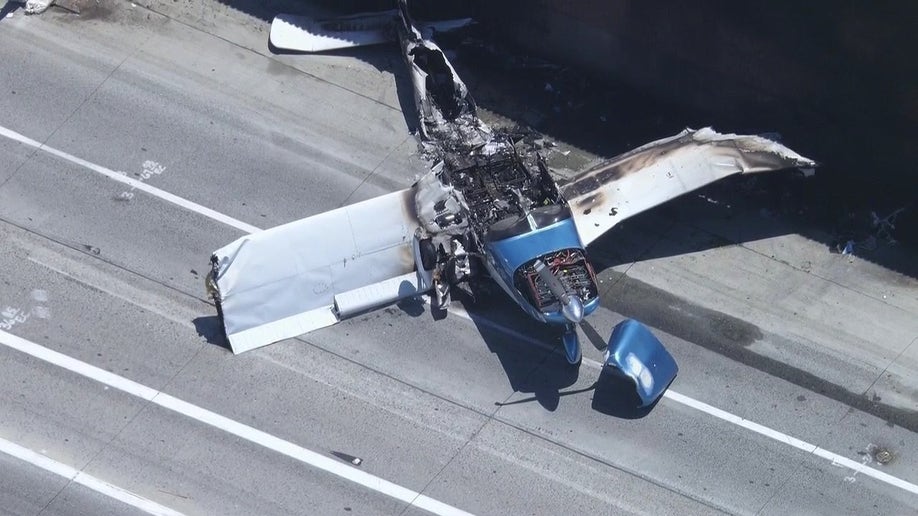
[650,175]
[304,34]
[283,282]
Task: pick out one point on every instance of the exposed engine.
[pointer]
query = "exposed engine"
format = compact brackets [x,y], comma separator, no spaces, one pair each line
[487,195]
[571,268]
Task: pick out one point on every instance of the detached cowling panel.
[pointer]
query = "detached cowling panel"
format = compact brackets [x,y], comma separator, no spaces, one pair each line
[283,282]
[637,353]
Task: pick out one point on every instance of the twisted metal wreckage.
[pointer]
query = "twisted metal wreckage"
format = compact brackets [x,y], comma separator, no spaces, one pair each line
[480,214]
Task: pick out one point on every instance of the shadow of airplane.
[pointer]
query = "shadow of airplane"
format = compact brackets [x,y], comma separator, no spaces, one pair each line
[534,362]
[11,6]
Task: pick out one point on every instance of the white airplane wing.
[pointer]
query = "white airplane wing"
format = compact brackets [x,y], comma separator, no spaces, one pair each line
[298,277]
[609,193]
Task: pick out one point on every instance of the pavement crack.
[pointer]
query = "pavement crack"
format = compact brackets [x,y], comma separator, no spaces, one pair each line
[69,117]
[373,172]
[891,362]
[772,258]
[270,57]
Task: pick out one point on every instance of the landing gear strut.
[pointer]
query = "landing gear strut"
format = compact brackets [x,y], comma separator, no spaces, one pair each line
[571,344]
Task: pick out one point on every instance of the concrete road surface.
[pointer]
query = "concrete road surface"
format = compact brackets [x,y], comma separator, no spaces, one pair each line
[118,396]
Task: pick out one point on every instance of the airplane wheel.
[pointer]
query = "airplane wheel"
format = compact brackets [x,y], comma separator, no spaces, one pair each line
[428,254]
[571,342]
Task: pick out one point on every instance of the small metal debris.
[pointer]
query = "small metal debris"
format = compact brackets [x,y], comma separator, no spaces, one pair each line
[849,248]
[37,6]
[883,456]
[356,461]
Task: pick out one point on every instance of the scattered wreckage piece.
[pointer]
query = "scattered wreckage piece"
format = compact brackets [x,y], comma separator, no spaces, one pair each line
[35,6]
[866,231]
[482,213]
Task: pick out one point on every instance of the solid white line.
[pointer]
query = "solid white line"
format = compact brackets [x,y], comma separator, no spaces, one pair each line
[84,479]
[253,435]
[139,185]
[723,415]
[792,441]
[670,394]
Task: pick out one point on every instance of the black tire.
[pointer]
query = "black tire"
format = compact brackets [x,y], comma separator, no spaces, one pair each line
[428,254]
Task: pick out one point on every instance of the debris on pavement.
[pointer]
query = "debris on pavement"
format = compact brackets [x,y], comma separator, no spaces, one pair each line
[356,461]
[865,231]
[36,6]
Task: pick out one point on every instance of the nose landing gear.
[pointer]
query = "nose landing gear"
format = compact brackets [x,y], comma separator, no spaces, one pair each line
[571,343]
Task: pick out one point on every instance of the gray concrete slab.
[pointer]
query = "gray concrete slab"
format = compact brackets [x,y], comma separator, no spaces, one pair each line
[505,468]
[65,417]
[34,100]
[28,489]
[25,489]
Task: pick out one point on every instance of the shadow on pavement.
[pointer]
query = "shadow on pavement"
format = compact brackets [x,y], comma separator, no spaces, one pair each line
[211,329]
[529,358]
[10,7]
[615,395]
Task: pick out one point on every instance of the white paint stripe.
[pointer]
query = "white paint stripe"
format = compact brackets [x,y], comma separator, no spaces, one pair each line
[723,415]
[253,435]
[670,394]
[786,439]
[84,479]
[139,185]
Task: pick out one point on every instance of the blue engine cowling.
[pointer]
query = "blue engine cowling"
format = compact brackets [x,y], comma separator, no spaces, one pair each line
[635,352]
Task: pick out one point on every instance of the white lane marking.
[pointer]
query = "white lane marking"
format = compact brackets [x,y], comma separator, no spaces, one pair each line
[253,435]
[11,316]
[84,479]
[139,185]
[670,394]
[150,168]
[836,459]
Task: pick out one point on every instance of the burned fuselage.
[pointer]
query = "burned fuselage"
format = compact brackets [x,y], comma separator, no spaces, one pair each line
[489,212]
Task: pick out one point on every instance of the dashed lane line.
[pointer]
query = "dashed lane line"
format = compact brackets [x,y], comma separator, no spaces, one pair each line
[84,479]
[253,435]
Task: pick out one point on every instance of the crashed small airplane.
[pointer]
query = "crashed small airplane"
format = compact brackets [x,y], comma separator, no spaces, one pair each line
[480,214]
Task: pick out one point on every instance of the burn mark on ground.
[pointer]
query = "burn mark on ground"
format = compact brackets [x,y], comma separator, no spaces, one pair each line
[731,337]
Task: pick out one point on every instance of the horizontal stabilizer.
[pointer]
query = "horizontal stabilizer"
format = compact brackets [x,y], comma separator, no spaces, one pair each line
[305,34]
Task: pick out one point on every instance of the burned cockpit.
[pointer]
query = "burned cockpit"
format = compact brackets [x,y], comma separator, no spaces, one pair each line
[503,196]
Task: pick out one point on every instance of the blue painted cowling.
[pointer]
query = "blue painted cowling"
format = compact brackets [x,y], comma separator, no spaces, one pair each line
[636,352]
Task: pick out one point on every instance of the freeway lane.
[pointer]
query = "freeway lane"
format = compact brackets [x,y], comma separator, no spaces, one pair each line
[415,399]
[322,401]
